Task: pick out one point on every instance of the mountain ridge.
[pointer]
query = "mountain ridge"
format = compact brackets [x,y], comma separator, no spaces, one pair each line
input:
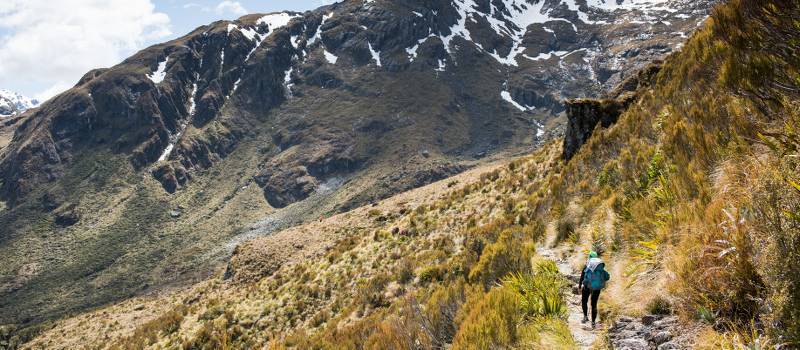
[146,173]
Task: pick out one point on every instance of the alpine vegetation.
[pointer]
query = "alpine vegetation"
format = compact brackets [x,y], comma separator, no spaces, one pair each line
[504,174]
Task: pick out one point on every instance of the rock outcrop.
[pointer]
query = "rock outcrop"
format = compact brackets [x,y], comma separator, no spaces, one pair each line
[584,114]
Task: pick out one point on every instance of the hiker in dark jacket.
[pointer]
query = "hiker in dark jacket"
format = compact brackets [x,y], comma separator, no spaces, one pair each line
[593,280]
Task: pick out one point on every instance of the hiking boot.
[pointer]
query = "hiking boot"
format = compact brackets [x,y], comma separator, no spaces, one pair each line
[585,319]
[593,325]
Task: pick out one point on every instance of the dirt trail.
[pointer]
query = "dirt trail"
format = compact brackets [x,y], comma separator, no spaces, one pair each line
[650,332]
[583,334]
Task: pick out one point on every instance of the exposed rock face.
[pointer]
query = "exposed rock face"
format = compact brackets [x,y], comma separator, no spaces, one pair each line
[190,102]
[584,115]
[300,170]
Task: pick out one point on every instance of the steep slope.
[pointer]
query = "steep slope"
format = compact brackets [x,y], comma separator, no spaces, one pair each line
[691,198]
[150,172]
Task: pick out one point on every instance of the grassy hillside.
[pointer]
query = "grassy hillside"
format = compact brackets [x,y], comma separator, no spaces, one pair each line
[692,198]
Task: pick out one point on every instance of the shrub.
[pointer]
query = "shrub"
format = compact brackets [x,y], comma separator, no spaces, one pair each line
[430,274]
[212,312]
[721,277]
[659,305]
[646,258]
[500,258]
[404,271]
[211,335]
[540,293]
[565,230]
[608,176]
[491,323]
[370,292]
[442,310]
[535,230]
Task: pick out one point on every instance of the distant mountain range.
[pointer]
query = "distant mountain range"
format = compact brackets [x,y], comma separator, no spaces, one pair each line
[14,103]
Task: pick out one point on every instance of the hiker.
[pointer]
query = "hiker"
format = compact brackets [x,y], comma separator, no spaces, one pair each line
[593,279]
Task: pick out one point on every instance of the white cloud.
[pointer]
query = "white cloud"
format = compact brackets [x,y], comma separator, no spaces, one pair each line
[54,43]
[233,7]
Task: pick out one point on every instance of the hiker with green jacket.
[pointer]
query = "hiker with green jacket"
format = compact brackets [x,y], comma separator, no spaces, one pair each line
[593,280]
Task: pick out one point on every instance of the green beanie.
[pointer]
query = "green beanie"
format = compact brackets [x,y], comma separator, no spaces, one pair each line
[592,254]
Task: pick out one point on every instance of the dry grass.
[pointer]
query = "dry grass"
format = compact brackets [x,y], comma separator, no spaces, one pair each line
[684,191]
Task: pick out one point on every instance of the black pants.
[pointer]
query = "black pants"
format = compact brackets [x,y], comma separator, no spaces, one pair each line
[585,293]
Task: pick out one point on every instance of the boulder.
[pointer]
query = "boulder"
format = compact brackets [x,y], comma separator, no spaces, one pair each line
[631,344]
[661,337]
[669,346]
[67,215]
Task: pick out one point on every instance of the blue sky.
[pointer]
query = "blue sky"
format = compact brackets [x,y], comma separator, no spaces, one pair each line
[47,45]
[189,14]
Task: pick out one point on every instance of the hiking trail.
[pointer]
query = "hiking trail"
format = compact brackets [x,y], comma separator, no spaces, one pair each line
[650,332]
[583,334]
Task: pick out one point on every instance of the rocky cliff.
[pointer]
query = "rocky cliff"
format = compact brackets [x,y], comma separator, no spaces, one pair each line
[586,114]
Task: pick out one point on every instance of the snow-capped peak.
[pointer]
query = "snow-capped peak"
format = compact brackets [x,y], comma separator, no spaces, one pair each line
[516,15]
[12,103]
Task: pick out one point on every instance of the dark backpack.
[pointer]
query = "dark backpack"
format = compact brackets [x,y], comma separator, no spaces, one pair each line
[596,280]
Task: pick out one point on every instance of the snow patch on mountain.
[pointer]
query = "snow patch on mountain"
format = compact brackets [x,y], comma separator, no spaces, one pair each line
[412,51]
[249,33]
[505,95]
[287,81]
[276,20]
[318,34]
[375,54]
[174,138]
[331,58]
[613,5]
[158,76]
[546,56]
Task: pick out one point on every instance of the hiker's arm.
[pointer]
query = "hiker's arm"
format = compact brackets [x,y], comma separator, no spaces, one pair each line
[580,282]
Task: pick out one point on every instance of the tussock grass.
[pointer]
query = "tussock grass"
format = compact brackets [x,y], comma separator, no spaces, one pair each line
[699,177]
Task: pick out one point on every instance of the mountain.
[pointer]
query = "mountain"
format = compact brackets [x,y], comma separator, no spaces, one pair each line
[14,103]
[683,180]
[148,174]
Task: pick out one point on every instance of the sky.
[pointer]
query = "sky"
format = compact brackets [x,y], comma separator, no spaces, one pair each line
[47,45]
